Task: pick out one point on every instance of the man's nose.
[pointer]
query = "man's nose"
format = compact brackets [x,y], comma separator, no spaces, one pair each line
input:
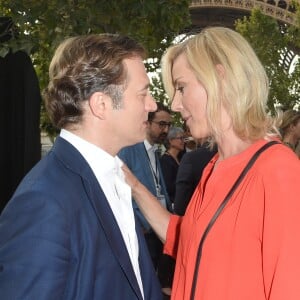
[151,104]
[166,128]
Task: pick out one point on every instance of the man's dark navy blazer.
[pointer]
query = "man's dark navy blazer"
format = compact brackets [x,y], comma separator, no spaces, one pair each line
[60,240]
[137,160]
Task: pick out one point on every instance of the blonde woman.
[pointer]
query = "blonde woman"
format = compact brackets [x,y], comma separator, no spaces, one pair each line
[246,245]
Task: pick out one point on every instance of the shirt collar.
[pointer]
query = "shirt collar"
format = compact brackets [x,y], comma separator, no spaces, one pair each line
[148,146]
[95,156]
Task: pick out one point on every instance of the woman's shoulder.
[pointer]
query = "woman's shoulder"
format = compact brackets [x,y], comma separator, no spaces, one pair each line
[280,153]
[278,159]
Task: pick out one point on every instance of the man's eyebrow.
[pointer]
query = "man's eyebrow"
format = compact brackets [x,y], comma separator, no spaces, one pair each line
[146,87]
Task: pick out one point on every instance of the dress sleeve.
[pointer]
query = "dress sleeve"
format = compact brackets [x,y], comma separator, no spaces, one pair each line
[280,236]
[171,244]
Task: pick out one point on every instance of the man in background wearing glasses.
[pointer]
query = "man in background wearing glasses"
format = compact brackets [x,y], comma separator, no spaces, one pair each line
[142,160]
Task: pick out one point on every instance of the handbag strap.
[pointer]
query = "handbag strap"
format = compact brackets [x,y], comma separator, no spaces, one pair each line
[220,209]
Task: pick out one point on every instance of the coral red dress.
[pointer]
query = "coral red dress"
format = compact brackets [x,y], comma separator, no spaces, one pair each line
[253,250]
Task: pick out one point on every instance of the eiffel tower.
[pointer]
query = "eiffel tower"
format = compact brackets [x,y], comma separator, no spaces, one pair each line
[226,12]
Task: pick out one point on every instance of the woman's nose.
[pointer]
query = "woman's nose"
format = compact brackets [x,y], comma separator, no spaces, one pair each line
[176,104]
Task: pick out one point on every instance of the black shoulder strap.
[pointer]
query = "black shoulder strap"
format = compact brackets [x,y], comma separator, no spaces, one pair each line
[220,209]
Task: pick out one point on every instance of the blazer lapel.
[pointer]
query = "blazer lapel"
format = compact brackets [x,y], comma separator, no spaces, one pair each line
[112,231]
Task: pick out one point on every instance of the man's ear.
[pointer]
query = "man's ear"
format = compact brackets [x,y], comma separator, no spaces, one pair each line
[98,105]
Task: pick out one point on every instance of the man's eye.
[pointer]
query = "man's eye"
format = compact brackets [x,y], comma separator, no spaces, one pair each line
[142,96]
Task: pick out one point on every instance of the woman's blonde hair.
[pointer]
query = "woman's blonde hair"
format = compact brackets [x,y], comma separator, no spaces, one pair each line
[242,89]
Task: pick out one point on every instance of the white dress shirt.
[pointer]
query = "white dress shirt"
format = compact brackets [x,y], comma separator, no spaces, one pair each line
[151,155]
[110,176]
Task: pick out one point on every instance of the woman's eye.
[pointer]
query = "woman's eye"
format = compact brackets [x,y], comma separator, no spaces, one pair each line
[180,89]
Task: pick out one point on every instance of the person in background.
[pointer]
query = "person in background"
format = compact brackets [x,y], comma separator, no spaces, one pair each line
[290,128]
[243,245]
[69,231]
[143,160]
[190,142]
[169,161]
[189,174]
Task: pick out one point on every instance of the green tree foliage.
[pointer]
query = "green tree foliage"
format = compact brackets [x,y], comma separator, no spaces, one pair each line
[41,25]
[294,31]
[271,42]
